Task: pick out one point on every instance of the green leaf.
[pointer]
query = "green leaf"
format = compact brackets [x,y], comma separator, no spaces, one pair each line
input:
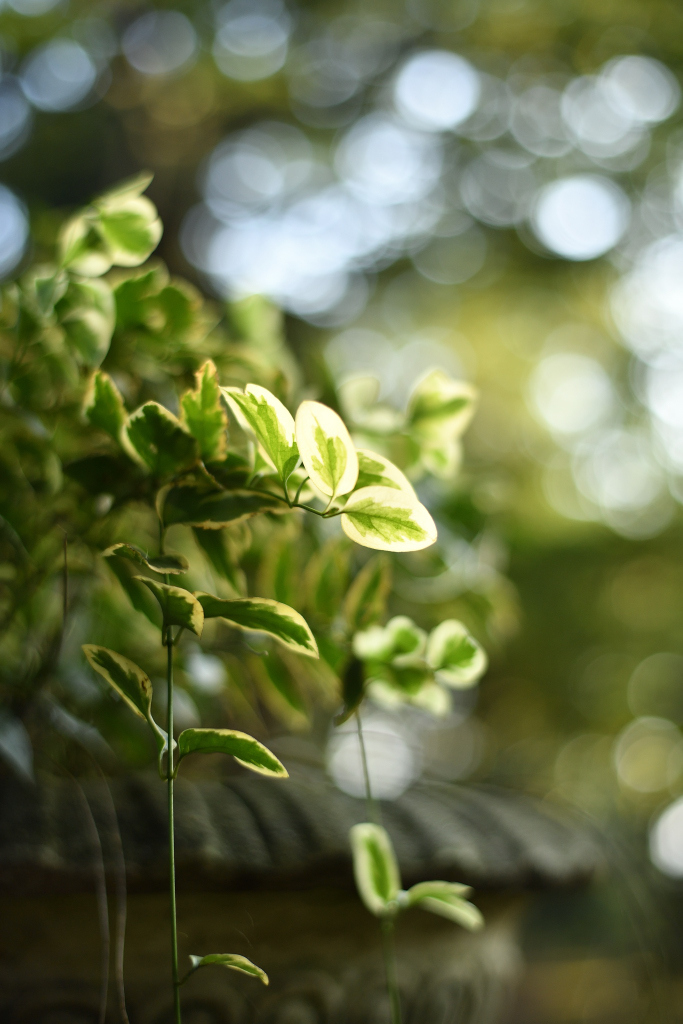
[162,563]
[455,655]
[326,579]
[217,550]
[139,597]
[212,510]
[244,748]
[261,614]
[388,520]
[104,406]
[203,413]
[160,441]
[375,868]
[366,598]
[265,416]
[129,188]
[327,451]
[400,642]
[447,900]
[376,471]
[129,227]
[82,248]
[179,607]
[86,314]
[130,682]
[439,402]
[233,961]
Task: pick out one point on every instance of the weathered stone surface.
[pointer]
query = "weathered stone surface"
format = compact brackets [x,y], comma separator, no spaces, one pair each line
[250,831]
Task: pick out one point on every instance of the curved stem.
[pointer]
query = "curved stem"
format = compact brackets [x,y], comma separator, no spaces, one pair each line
[171,831]
[387,923]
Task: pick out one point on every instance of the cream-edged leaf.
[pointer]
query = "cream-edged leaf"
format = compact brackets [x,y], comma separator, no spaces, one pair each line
[456,657]
[261,614]
[203,414]
[270,421]
[375,867]
[326,448]
[456,909]
[172,564]
[442,404]
[233,961]
[387,520]
[376,471]
[179,607]
[244,748]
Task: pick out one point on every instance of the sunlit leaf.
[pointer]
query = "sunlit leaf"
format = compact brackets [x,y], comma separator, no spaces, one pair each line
[270,421]
[104,406]
[326,448]
[129,227]
[439,402]
[179,607]
[245,749]
[366,598]
[456,657]
[388,520]
[375,868]
[400,642]
[82,249]
[447,900]
[86,314]
[203,414]
[376,471]
[160,441]
[261,614]
[160,563]
[233,961]
[212,510]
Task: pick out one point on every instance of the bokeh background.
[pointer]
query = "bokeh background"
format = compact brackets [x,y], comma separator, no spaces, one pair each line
[494,187]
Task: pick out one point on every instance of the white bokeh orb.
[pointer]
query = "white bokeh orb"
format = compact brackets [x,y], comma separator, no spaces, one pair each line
[437,90]
[580,217]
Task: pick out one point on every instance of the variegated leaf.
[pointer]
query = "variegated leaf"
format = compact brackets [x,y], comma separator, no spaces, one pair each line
[387,520]
[326,448]
[270,421]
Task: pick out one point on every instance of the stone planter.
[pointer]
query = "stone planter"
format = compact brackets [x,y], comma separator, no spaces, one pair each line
[264,869]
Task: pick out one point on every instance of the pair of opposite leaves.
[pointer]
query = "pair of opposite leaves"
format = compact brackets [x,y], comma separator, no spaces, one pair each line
[382,511]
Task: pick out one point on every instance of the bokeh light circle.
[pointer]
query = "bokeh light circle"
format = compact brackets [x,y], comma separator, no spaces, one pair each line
[666,840]
[580,217]
[159,43]
[436,90]
[58,75]
[13,230]
[251,40]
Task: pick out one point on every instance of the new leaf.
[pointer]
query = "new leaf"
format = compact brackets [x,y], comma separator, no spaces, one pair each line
[244,748]
[327,451]
[233,961]
[455,655]
[203,414]
[375,868]
[160,441]
[271,422]
[104,406]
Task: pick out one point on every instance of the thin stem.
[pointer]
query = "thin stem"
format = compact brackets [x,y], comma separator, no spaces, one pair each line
[374,812]
[300,489]
[171,831]
[390,967]
[387,923]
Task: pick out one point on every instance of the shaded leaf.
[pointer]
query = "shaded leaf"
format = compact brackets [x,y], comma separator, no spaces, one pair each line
[104,406]
[211,510]
[375,868]
[456,657]
[179,607]
[353,690]
[366,598]
[326,578]
[160,441]
[139,597]
[215,546]
[387,520]
[244,748]
[261,614]
[124,676]
[233,961]
[326,448]
[281,678]
[161,563]
[376,471]
[86,314]
[203,413]
[271,422]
